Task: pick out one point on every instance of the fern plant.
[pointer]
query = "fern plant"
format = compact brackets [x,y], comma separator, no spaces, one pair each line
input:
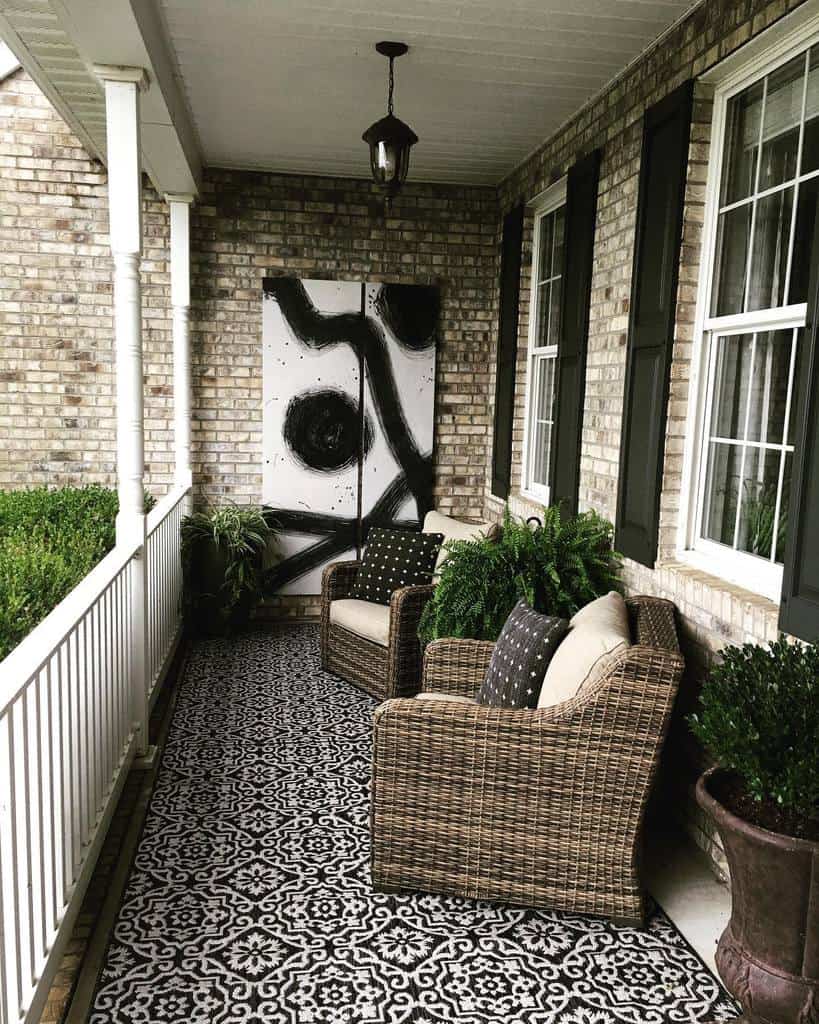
[557,567]
[224,550]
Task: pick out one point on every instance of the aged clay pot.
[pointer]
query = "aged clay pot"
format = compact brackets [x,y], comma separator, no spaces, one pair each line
[768,955]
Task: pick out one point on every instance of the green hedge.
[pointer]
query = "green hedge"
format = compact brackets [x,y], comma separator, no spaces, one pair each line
[49,540]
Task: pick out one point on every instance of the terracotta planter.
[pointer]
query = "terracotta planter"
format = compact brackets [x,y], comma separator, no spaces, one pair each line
[768,955]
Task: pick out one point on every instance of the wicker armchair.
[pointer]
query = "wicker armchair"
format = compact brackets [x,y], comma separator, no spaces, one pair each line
[391,671]
[538,807]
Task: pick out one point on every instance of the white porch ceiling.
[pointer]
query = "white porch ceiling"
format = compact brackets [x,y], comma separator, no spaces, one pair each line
[290,85]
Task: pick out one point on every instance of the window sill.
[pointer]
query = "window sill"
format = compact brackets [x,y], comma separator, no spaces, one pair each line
[714,611]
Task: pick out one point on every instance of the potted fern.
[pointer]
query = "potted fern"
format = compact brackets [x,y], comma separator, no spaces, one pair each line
[759,720]
[225,550]
[557,566]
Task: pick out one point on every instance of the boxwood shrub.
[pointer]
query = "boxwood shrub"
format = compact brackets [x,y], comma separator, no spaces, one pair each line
[49,540]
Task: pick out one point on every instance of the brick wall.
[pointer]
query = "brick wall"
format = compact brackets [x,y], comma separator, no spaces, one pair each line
[712,611]
[56,372]
[246,226]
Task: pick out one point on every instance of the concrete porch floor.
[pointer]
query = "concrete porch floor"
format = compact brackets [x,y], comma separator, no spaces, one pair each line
[680,879]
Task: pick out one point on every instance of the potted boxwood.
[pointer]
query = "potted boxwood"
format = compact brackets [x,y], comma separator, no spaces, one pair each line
[759,719]
[225,551]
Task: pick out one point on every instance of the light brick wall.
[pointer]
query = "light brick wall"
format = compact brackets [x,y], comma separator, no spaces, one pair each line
[712,612]
[57,415]
[250,225]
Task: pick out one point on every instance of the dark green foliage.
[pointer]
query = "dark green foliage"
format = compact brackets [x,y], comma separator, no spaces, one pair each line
[225,550]
[557,568]
[759,717]
[49,540]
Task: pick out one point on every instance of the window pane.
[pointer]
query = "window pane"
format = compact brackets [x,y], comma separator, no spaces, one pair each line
[541,411]
[741,144]
[545,253]
[543,302]
[554,313]
[731,380]
[803,239]
[772,232]
[810,141]
[783,114]
[559,239]
[732,258]
[721,490]
[757,516]
[769,387]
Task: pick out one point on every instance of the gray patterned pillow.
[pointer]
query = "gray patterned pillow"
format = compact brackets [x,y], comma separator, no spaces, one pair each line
[523,651]
[393,559]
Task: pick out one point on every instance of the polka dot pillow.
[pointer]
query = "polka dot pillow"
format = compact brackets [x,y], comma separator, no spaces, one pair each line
[520,658]
[394,559]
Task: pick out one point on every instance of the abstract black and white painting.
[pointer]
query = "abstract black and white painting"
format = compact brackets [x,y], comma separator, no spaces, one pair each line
[349,395]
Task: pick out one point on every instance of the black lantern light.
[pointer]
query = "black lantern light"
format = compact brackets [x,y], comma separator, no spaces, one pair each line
[390,139]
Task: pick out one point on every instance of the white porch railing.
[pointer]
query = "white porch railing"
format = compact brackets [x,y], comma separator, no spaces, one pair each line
[67,740]
[164,584]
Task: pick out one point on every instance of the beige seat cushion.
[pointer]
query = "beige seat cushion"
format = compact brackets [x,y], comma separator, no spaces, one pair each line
[597,633]
[453,529]
[451,698]
[364,618]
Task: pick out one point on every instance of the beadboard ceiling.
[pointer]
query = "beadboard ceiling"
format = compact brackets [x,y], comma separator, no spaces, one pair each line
[289,85]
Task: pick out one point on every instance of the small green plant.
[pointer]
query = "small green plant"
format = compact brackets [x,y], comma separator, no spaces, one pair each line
[759,718]
[759,512]
[49,540]
[557,567]
[224,553]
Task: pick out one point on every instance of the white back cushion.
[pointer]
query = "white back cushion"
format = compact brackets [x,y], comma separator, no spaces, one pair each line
[596,633]
[452,529]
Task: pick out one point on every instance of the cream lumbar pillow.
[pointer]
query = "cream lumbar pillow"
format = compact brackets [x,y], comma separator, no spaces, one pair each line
[596,633]
[452,529]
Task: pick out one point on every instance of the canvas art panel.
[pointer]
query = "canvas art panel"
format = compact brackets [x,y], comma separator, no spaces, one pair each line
[349,394]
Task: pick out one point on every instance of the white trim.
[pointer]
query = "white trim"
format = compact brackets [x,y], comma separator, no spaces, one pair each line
[8,62]
[542,205]
[769,51]
[751,572]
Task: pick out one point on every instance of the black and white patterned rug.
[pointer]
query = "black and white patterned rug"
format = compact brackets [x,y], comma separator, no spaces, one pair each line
[250,901]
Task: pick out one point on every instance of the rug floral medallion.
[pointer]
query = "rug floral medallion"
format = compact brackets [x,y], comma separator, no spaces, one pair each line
[250,901]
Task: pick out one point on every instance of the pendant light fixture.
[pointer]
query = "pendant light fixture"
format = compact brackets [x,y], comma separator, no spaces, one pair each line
[389,138]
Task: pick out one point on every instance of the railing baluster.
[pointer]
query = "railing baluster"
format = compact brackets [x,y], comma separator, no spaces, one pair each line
[66,735]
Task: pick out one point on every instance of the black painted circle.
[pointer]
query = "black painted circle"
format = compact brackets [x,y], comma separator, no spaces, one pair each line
[411,313]
[323,430]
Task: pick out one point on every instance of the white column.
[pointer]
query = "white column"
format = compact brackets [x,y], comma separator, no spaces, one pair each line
[122,88]
[179,206]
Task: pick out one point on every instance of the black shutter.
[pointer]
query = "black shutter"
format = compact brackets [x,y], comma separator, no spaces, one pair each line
[507,351]
[799,610]
[570,383]
[666,132]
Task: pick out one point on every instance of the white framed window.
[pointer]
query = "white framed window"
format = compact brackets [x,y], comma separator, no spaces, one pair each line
[546,303]
[763,187]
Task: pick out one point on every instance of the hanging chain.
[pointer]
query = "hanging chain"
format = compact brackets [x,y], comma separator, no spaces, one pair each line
[392,86]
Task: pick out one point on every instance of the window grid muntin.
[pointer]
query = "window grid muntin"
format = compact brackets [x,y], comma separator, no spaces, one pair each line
[757,195]
[542,350]
[784,448]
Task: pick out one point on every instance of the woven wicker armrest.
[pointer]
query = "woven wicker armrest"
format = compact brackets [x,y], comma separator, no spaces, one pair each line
[337,580]
[456,666]
[406,606]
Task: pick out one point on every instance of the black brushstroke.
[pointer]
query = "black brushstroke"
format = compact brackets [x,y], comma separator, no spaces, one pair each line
[325,430]
[342,530]
[319,330]
[412,317]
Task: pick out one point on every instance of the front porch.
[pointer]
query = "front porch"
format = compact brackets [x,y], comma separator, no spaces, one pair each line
[590,295]
[250,893]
